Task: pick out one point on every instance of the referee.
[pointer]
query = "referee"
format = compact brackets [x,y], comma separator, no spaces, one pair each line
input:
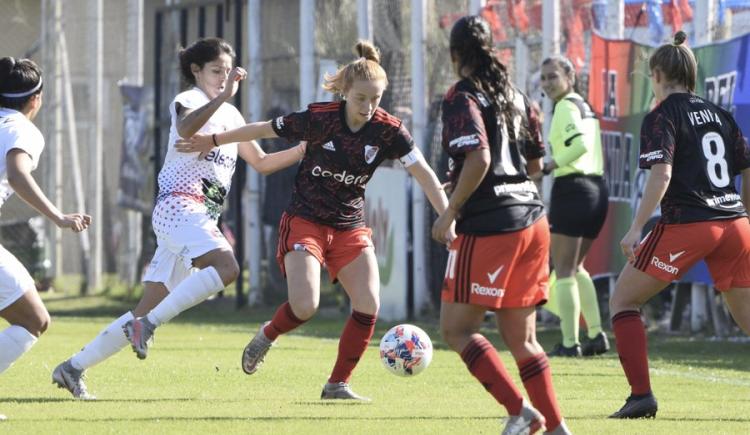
[578,208]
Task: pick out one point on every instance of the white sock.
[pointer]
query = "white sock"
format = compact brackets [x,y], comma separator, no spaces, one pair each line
[110,341]
[190,292]
[14,342]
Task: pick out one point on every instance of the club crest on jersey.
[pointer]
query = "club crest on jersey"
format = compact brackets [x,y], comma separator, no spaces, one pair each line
[370,153]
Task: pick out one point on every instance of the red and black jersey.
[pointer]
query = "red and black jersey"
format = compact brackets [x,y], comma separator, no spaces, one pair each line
[707,151]
[329,188]
[506,200]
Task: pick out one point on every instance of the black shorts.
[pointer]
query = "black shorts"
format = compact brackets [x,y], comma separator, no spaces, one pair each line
[578,205]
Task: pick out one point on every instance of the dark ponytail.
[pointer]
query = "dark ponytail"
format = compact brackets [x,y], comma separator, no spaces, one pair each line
[471,43]
[20,79]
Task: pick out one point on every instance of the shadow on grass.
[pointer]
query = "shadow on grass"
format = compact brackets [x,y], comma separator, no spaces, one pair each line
[70,400]
[328,323]
[408,418]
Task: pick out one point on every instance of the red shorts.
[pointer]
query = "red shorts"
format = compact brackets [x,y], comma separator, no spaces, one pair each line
[508,270]
[333,248]
[668,251]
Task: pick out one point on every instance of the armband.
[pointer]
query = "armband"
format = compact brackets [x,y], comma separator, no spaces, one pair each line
[412,157]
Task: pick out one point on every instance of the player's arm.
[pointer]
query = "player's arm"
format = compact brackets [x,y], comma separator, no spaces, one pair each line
[266,164]
[189,121]
[475,167]
[205,142]
[656,187]
[19,166]
[746,187]
[425,176]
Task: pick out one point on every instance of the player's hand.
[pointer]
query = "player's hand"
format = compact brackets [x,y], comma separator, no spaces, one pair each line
[630,242]
[233,82]
[537,176]
[75,221]
[447,187]
[444,228]
[198,143]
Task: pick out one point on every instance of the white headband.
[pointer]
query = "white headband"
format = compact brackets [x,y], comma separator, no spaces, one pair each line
[24,94]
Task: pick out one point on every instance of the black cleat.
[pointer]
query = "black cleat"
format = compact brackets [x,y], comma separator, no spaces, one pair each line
[644,406]
[560,350]
[595,346]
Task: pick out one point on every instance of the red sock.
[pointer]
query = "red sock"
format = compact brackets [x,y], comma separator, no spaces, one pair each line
[483,362]
[353,342]
[283,321]
[537,379]
[632,346]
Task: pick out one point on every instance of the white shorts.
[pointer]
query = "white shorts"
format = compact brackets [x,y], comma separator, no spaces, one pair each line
[14,279]
[180,238]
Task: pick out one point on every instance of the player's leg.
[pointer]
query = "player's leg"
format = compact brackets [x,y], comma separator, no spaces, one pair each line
[632,290]
[218,268]
[597,342]
[564,251]
[28,320]
[459,326]
[69,373]
[361,281]
[302,270]
[518,329]
[738,301]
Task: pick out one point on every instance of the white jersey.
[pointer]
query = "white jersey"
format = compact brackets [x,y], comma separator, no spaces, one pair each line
[17,132]
[191,182]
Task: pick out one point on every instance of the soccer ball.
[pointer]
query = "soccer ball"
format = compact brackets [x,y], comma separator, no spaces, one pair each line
[405,350]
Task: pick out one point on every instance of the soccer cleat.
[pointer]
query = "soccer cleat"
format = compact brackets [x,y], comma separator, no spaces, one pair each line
[644,406]
[68,377]
[561,429]
[595,346]
[255,351]
[341,391]
[139,332]
[560,350]
[529,421]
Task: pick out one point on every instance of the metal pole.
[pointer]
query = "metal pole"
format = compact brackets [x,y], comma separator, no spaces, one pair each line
[253,223]
[57,165]
[703,20]
[550,47]
[95,137]
[364,19]
[476,5]
[616,24]
[419,131]
[80,202]
[134,43]
[307,52]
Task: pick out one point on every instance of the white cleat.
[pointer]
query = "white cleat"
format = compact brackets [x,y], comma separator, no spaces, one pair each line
[341,391]
[561,429]
[528,422]
[255,351]
[68,377]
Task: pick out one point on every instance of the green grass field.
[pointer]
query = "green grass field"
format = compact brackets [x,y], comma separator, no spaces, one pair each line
[192,383]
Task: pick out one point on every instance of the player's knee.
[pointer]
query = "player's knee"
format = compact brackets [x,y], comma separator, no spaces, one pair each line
[304,310]
[454,338]
[229,271]
[38,323]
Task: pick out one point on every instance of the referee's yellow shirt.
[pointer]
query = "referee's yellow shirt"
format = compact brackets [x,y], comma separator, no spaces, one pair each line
[575,138]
